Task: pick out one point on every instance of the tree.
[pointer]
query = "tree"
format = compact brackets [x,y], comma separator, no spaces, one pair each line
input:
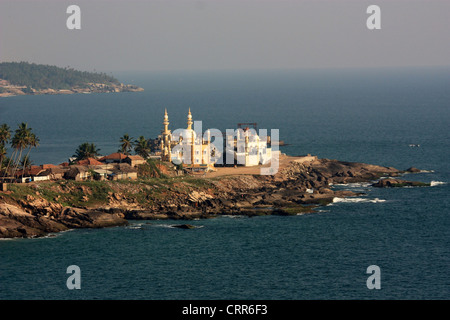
[2,156]
[126,144]
[86,150]
[19,142]
[33,142]
[142,147]
[5,135]
[26,162]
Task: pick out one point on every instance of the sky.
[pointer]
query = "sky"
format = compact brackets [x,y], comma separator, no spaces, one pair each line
[150,35]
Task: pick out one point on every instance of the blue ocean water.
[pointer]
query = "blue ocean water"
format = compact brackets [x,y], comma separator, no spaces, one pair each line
[357,115]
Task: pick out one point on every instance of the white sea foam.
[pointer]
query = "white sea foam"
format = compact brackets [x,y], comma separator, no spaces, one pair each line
[233,216]
[356,200]
[354,185]
[162,225]
[133,227]
[437,183]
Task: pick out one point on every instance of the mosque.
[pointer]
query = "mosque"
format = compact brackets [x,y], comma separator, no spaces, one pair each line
[183,146]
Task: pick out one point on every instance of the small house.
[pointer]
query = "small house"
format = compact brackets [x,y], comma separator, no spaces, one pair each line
[135,160]
[77,173]
[123,171]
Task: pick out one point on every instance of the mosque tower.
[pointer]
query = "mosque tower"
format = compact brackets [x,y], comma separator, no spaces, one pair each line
[165,139]
[189,121]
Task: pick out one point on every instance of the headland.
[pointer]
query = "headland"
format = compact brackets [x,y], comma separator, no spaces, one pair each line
[301,185]
[23,78]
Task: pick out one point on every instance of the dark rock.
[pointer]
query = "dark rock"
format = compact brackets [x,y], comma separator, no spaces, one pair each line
[392,183]
[184,226]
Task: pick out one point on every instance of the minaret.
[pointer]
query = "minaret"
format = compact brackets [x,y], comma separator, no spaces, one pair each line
[165,141]
[166,122]
[189,128]
[189,122]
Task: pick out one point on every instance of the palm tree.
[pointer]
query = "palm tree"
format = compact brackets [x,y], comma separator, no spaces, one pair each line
[26,162]
[5,135]
[86,150]
[33,142]
[2,156]
[142,147]
[20,142]
[126,144]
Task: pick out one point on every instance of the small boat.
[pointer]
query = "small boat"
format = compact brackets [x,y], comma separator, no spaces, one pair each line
[414,145]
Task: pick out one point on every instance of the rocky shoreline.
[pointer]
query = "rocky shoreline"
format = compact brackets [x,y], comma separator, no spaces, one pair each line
[299,187]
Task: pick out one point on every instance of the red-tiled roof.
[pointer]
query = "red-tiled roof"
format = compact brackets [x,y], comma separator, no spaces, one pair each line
[34,171]
[89,162]
[136,157]
[114,156]
[48,166]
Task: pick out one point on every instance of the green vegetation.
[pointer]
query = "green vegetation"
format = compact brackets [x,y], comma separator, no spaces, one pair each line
[22,140]
[86,150]
[142,147]
[72,194]
[39,76]
[126,144]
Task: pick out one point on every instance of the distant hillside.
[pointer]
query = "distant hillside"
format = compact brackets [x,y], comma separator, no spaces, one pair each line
[29,78]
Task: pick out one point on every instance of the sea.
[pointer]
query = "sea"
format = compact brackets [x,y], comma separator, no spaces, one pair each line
[396,117]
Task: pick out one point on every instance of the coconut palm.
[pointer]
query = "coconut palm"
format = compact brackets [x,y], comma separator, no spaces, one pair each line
[126,144]
[19,142]
[26,162]
[5,134]
[142,147]
[32,142]
[86,150]
[2,156]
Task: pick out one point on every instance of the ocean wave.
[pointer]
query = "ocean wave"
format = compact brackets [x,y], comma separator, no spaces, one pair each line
[354,184]
[437,183]
[356,200]
[161,225]
[233,216]
[134,226]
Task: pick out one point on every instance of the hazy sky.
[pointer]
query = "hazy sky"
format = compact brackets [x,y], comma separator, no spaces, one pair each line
[225,34]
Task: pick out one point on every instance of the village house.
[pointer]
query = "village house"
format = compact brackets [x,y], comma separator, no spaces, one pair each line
[34,173]
[123,171]
[116,166]
[77,173]
[119,171]
[135,160]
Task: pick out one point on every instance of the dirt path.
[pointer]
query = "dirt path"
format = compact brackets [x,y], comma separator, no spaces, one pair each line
[254,170]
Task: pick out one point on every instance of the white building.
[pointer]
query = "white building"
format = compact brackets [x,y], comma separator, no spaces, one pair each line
[248,149]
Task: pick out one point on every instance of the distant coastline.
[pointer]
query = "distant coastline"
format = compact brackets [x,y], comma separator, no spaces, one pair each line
[9,90]
[23,78]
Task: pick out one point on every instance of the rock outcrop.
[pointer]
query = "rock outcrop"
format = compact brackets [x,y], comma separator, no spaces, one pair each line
[392,183]
[17,222]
